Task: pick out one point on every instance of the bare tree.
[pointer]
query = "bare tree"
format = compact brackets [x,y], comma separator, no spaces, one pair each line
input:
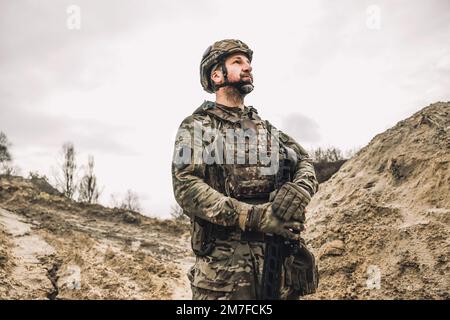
[333,154]
[114,201]
[66,177]
[5,155]
[130,201]
[330,154]
[177,213]
[317,154]
[35,175]
[88,190]
[350,153]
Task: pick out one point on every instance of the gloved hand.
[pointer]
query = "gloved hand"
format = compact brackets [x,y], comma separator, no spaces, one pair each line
[262,219]
[290,202]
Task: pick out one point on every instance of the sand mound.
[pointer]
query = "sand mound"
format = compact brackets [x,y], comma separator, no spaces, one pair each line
[380,226]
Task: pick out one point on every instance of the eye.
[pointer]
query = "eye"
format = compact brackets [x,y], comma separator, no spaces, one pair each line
[237,61]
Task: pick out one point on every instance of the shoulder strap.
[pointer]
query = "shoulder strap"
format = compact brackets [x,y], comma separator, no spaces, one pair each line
[206,105]
[209,107]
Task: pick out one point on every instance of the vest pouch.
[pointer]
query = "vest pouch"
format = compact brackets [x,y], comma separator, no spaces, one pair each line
[202,241]
[301,271]
[246,182]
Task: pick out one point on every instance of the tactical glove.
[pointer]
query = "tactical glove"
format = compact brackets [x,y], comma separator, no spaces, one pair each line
[261,218]
[290,202]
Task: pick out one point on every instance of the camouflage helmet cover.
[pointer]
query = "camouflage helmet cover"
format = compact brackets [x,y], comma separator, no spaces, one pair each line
[215,53]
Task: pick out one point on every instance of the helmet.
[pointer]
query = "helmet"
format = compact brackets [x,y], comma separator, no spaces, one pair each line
[216,54]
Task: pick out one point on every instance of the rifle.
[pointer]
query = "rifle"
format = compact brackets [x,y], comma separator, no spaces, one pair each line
[277,247]
[304,272]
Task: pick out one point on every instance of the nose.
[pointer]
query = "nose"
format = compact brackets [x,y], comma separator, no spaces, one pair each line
[247,67]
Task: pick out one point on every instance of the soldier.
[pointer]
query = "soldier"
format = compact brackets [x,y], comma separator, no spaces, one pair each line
[233,205]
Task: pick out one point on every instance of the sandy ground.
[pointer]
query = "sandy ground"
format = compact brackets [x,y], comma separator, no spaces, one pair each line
[30,254]
[380,226]
[60,251]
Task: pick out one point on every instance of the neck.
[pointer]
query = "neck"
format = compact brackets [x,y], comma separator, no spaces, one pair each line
[230,97]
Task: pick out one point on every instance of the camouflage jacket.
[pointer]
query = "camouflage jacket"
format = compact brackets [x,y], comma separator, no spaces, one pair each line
[204,189]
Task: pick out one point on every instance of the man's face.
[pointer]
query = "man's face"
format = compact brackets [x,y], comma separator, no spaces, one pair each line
[238,68]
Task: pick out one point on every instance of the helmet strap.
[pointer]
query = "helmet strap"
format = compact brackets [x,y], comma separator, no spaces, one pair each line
[242,87]
[225,76]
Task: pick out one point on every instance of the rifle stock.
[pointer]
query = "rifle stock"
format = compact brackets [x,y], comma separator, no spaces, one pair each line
[304,273]
[276,247]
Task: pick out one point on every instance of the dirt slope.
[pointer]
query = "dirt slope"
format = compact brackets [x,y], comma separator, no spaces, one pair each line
[51,247]
[386,215]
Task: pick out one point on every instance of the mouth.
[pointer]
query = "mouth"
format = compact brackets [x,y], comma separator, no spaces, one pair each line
[247,77]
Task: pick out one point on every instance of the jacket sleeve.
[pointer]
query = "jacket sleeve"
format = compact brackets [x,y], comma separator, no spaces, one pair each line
[192,193]
[304,173]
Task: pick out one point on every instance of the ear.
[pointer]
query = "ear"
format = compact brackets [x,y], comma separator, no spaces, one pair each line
[216,76]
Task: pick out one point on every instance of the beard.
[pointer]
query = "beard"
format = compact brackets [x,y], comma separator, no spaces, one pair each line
[244,87]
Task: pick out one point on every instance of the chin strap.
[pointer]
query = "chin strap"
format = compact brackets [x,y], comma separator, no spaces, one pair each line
[243,87]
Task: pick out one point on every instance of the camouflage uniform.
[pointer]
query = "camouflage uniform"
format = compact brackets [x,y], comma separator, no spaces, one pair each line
[215,195]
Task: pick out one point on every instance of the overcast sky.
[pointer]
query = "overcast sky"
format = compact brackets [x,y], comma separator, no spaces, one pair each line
[329,73]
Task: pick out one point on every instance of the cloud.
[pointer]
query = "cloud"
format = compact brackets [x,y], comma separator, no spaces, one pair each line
[31,129]
[39,54]
[40,58]
[301,128]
